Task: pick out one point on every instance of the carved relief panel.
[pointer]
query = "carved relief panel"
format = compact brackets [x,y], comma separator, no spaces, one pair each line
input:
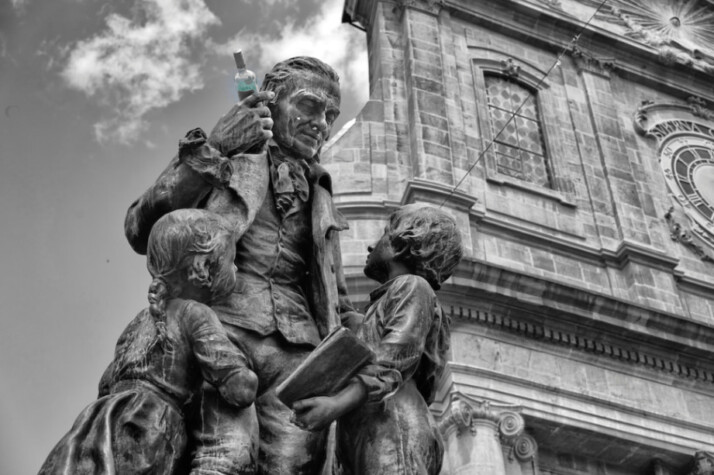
[685,135]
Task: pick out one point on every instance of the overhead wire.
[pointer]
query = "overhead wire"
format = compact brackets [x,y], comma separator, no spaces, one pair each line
[555,64]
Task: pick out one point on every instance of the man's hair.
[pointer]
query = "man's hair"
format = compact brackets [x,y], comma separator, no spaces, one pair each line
[427,241]
[281,78]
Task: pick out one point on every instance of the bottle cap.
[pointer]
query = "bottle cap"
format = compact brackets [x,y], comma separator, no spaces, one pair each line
[238,57]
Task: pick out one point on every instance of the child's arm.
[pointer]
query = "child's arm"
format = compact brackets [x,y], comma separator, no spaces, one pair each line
[318,412]
[222,364]
[409,316]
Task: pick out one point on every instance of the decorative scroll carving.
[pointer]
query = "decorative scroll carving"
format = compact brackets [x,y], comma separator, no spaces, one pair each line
[509,68]
[525,447]
[699,108]
[510,424]
[543,333]
[661,120]
[703,464]
[682,234]
[463,411]
[459,415]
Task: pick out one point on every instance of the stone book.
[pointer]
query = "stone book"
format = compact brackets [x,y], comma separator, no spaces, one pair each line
[328,368]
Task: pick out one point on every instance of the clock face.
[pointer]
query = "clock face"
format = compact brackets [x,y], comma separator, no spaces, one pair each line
[688,166]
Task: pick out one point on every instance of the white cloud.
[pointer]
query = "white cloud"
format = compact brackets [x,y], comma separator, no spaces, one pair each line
[323,36]
[145,63]
[135,66]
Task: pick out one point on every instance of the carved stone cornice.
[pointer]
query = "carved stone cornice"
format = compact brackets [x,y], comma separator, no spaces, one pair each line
[428,6]
[436,193]
[587,62]
[578,341]
[463,413]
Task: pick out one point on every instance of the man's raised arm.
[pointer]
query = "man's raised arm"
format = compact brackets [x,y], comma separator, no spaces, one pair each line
[201,166]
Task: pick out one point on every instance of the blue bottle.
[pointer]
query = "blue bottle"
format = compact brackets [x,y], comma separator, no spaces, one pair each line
[245,79]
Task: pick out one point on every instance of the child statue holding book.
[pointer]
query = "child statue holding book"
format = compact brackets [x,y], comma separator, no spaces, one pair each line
[384,424]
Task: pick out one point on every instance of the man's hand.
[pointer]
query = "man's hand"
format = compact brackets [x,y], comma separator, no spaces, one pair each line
[245,126]
[315,413]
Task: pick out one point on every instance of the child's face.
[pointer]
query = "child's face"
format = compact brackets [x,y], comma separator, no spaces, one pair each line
[379,259]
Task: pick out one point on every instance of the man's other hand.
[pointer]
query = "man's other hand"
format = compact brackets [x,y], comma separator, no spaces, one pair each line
[246,125]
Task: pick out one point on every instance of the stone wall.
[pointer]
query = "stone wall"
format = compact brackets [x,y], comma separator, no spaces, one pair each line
[590,259]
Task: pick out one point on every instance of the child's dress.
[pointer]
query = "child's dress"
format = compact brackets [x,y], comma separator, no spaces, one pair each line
[137,424]
[394,432]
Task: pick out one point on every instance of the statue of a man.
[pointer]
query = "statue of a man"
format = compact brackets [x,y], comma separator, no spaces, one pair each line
[290,288]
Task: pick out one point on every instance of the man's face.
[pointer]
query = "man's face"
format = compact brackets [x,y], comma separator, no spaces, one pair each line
[304,115]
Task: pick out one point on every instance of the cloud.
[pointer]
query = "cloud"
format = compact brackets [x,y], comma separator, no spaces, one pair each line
[140,64]
[323,36]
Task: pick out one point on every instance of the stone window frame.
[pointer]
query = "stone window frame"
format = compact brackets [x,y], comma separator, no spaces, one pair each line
[529,77]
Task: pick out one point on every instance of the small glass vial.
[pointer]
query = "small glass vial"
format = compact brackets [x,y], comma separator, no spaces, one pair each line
[245,79]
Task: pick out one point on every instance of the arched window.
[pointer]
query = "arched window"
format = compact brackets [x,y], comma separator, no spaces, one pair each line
[519,150]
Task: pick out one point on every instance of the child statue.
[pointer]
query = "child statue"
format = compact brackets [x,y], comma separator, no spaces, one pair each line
[162,358]
[384,424]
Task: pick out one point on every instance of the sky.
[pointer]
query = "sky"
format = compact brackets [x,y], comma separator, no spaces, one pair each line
[94,96]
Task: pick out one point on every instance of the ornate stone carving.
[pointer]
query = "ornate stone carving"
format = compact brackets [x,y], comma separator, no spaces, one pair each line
[510,425]
[525,447]
[509,68]
[492,436]
[681,30]
[588,62]
[688,236]
[703,464]
[463,411]
[699,108]
[457,416]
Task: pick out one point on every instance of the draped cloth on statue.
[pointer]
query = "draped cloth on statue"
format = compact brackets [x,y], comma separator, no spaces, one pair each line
[149,428]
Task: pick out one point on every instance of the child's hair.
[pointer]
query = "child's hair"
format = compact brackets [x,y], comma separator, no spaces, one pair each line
[427,240]
[174,242]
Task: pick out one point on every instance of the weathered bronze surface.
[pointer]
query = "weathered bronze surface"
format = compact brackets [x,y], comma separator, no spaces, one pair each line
[137,425]
[260,169]
[384,423]
[267,204]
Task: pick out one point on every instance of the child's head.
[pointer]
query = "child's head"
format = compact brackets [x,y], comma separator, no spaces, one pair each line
[422,238]
[192,249]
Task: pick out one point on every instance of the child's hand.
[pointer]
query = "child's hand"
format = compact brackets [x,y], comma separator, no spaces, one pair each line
[315,413]
[240,388]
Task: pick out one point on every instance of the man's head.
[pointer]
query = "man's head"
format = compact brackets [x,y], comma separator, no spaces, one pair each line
[306,104]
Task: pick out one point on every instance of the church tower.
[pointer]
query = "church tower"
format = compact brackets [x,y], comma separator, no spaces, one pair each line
[573,141]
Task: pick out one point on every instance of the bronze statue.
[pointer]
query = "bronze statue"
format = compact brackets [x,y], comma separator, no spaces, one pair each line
[384,424]
[260,170]
[137,425]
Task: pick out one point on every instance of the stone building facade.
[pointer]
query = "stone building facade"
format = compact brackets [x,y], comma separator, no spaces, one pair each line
[583,313]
